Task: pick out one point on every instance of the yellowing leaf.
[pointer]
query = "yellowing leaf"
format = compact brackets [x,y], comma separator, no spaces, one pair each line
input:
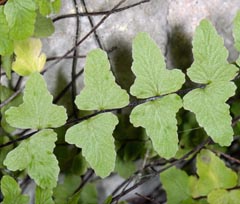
[37,110]
[222,196]
[213,174]
[28,57]
[95,138]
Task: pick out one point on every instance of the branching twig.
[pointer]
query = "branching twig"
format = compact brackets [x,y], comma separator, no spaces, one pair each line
[99,13]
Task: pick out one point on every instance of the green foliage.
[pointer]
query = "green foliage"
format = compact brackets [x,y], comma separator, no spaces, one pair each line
[211,68]
[21,16]
[36,156]
[177,189]
[110,143]
[94,136]
[153,79]
[6,44]
[224,197]
[100,91]
[236,31]
[12,192]
[36,112]
[213,174]
[43,196]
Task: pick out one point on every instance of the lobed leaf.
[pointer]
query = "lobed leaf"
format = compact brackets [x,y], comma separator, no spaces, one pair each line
[6,44]
[210,57]
[100,91]
[48,6]
[28,57]
[94,136]
[12,192]
[37,110]
[224,197]
[43,196]
[213,174]
[20,15]
[211,111]
[36,156]
[152,77]
[175,183]
[158,118]
[43,27]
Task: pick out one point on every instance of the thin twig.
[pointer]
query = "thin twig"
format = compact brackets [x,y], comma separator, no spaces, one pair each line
[99,13]
[92,25]
[147,198]
[88,34]
[84,181]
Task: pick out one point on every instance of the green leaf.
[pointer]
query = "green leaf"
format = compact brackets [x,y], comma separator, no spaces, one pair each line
[63,190]
[48,6]
[94,136]
[124,168]
[158,117]
[5,94]
[37,111]
[210,57]
[36,156]
[236,31]
[28,57]
[88,195]
[100,91]
[213,174]
[6,44]
[211,111]
[20,15]
[43,196]
[224,197]
[175,182]
[152,77]
[7,65]
[43,27]
[12,192]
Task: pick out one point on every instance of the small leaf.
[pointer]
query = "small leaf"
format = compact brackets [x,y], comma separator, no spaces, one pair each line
[213,174]
[7,65]
[152,77]
[37,111]
[211,111]
[6,44]
[94,136]
[88,194]
[100,91]
[222,196]
[64,190]
[20,15]
[28,57]
[43,27]
[175,182]
[158,117]
[48,6]
[36,156]
[210,57]
[43,196]
[236,31]
[5,94]
[12,192]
